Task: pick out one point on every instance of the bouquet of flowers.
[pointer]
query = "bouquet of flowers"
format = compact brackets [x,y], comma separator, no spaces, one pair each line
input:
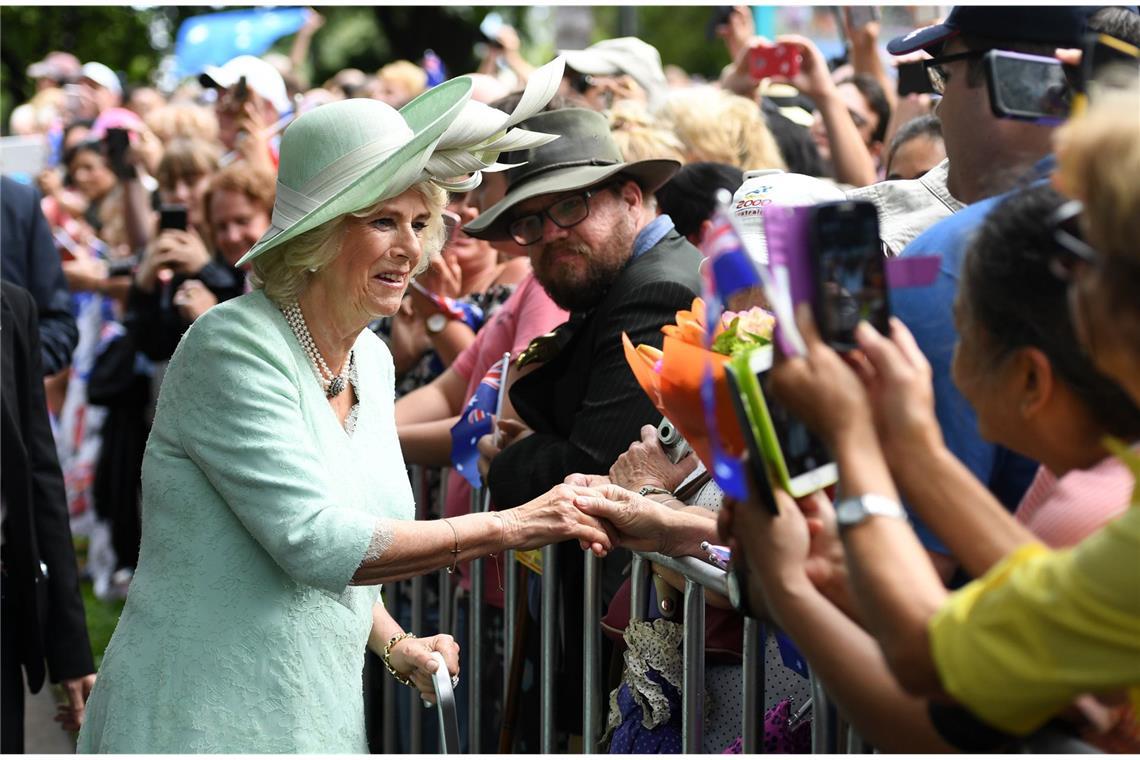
[672,376]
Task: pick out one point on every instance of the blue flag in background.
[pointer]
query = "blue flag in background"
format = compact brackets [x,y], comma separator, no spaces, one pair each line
[214,38]
[436,73]
[474,423]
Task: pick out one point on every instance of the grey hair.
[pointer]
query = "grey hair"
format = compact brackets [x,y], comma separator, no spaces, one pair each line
[284,272]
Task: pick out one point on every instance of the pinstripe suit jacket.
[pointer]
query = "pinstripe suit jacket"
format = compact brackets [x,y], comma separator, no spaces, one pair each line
[585,405]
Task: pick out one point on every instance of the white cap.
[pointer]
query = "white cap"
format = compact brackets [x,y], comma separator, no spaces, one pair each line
[102,76]
[774,187]
[621,55]
[260,76]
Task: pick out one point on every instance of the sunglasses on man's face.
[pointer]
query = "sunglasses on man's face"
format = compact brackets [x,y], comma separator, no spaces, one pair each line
[1072,252]
[939,74]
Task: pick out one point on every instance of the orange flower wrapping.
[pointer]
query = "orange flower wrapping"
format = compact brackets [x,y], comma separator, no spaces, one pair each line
[672,379]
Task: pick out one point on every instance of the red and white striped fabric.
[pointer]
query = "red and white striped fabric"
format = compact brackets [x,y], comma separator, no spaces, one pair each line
[1063,511]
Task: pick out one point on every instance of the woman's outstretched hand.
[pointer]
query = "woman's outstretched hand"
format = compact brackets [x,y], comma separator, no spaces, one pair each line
[412,658]
[638,523]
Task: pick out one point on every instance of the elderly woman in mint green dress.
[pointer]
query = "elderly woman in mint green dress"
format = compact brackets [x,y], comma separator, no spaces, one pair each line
[275,499]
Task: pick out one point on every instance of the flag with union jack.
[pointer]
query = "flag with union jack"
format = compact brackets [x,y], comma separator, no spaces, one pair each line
[474,423]
[469,313]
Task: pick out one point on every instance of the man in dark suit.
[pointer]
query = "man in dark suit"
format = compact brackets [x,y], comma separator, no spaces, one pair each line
[588,222]
[28,258]
[42,621]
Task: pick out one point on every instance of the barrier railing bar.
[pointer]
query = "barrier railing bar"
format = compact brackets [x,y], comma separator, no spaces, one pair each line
[823,720]
[696,570]
[638,584]
[510,604]
[549,640]
[591,655]
[420,495]
[475,644]
[446,622]
[388,723]
[753,698]
[693,696]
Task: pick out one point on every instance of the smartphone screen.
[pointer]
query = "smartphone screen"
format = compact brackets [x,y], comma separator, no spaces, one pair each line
[118,142]
[172,217]
[849,271]
[809,464]
[913,79]
[798,459]
[1028,87]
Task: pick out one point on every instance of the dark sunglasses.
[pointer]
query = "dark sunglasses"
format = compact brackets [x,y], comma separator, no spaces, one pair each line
[936,68]
[1072,251]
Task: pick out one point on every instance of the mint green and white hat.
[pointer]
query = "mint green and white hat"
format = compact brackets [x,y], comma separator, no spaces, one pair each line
[348,155]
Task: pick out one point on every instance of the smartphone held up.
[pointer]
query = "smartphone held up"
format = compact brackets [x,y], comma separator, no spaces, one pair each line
[766,61]
[849,270]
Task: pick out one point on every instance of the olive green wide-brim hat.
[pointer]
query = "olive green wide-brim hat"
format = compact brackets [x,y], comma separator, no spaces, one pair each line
[346,156]
[584,155]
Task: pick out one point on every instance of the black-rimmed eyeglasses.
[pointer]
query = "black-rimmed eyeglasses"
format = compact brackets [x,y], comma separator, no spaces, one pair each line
[936,68]
[1072,251]
[564,212]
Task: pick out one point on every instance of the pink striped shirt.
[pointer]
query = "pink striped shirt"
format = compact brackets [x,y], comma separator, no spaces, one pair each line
[1063,511]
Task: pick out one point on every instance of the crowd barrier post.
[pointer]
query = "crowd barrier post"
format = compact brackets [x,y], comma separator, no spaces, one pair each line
[638,585]
[752,676]
[699,576]
[510,604]
[388,723]
[824,738]
[591,654]
[420,495]
[856,744]
[475,641]
[549,639]
[693,702]
[446,621]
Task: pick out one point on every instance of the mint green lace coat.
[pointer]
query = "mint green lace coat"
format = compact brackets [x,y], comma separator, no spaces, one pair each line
[240,632]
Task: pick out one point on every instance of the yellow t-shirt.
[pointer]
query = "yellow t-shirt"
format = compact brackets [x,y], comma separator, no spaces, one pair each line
[1042,627]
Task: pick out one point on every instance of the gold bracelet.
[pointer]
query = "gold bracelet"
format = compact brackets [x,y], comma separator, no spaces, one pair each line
[387,657]
[455,551]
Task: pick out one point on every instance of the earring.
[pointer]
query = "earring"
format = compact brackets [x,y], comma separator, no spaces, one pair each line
[313,269]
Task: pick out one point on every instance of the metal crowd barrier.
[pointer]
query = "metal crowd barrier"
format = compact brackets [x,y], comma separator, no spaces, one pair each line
[699,577]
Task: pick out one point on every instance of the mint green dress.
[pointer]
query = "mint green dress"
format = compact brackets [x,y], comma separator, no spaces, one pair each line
[241,632]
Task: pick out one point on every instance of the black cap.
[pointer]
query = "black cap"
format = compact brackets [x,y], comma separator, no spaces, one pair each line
[1062,25]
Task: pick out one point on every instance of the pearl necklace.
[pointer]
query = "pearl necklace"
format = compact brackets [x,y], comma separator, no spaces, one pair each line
[333,385]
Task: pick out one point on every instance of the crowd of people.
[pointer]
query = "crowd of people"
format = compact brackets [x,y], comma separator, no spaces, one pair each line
[235,313]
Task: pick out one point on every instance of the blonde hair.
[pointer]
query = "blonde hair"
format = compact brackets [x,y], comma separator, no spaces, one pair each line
[186,157]
[283,272]
[1098,161]
[182,120]
[406,74]
[714,125]
[639,136]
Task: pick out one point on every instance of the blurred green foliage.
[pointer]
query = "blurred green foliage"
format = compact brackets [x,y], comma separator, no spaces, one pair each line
[133,40]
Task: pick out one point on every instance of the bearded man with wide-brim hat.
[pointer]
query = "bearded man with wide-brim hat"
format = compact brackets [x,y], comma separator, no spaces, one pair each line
[274,496]
[588,221]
